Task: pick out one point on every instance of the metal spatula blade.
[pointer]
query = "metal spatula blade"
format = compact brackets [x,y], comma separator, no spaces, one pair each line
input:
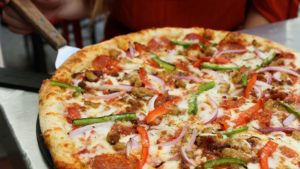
[63,54]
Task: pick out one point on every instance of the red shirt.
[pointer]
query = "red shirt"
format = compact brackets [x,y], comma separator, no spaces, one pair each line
[133,15]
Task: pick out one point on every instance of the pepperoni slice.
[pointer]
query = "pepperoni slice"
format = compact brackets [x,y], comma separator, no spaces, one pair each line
[158,43]
[233,41]
[286,55]
[73,112]
[140,47]
[106,64]
[114,161]
[194,36]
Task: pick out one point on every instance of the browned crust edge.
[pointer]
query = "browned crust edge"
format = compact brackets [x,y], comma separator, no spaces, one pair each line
[53,124]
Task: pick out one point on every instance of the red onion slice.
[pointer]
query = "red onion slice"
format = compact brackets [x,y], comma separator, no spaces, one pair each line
[260,54]
[192,140]
[290,118]
[185,157]
[132,144]
[176,140]
[193,78]
[216,110]
[131,52]
[280,69]
[269,78]
[274,129]
[84,129]
[158,81]
[151,103]
[115,87]
[219,53]
[103,97]
[277,76]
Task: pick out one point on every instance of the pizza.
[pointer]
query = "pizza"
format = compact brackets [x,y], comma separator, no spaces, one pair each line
[173,98]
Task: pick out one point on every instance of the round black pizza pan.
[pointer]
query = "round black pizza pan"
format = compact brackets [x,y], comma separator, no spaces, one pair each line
[43,149]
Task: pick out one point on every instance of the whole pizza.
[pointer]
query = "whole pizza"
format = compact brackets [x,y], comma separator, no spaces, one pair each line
[175,98]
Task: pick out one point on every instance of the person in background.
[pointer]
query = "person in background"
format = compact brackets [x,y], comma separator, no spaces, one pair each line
[127,16]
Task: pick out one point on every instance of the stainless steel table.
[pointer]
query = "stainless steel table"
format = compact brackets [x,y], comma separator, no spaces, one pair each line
[286,32]
[21,107]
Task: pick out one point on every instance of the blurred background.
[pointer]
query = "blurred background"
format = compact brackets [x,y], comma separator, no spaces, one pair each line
[32,53]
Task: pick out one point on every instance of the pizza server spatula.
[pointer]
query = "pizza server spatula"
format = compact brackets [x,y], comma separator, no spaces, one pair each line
[40,23]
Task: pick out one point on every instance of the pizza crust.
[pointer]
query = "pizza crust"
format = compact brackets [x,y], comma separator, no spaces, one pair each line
[53,124]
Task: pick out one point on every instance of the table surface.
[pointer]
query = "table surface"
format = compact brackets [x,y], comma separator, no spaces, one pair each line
[20,107]
[286,33]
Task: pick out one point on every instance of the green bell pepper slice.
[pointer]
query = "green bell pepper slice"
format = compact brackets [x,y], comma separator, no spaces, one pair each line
[210,164]
[163,64]
[213,66]
[115,117]
[289,108]
[66,85]
[244,80]
[234,131]
[192,105]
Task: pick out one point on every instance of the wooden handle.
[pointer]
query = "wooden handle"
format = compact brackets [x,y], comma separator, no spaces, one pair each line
[32,15]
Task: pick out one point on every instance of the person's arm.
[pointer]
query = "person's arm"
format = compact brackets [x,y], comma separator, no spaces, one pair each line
[60,9]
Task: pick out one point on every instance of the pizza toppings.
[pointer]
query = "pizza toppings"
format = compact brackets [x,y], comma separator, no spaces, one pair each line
[192,101]
[267,130]
[161,110]
[163,64]
[183,44]
[281,69]
[290,153]
[145,146]
[115,117]
[215,111]
[77,89]
[193,105]
[183,131]
[267,60]
[106,64]
[289,108]
[246,116]
[234,131]
[213,66]
[114,161]
[73,112]
[223,161]
[265,153]
[250,85]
